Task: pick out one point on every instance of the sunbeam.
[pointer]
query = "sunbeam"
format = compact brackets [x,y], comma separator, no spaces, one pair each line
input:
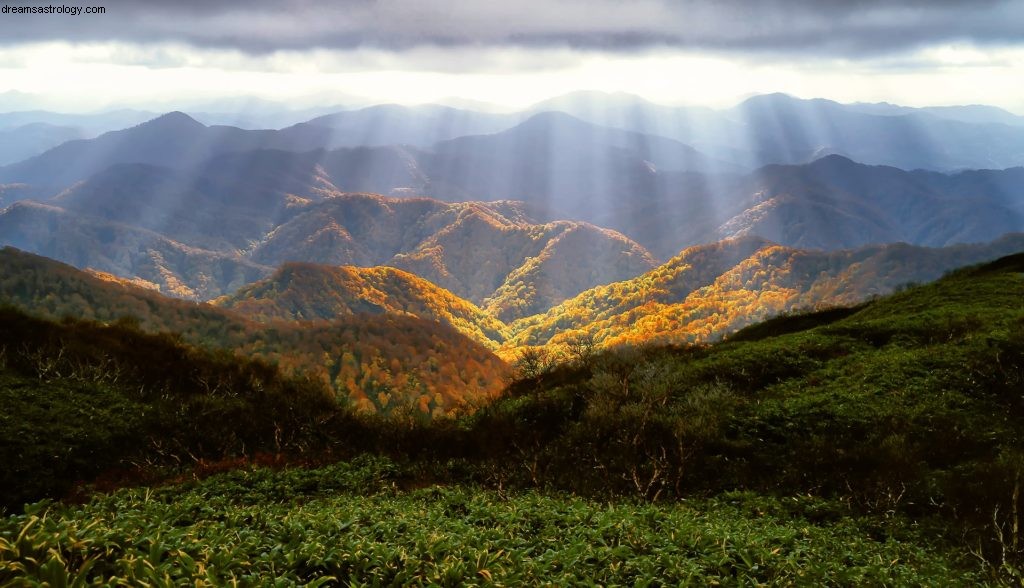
[545,292]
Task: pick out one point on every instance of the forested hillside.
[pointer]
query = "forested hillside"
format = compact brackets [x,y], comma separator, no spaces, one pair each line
[374,362]
[306,292]
[710,291]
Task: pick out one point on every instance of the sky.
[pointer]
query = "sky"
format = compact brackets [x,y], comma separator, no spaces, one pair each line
[158,54]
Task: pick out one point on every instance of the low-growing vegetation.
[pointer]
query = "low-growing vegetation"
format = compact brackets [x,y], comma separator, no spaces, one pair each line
[350,524]
[888,437]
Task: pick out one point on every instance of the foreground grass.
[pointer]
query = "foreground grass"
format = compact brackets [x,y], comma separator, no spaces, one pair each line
[350,524]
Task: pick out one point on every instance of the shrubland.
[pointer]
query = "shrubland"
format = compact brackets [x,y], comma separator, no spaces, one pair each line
[886,435]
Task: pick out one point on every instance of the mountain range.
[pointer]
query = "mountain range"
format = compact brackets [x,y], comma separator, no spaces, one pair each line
[663,193]
[594,216]
[782,129]
[701,295]
[595,297]
[762,130]
[489,253]
[704,294]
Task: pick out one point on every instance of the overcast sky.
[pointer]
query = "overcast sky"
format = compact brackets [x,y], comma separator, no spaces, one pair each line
[149,52]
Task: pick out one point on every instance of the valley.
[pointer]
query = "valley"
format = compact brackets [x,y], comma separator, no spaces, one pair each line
[398,324]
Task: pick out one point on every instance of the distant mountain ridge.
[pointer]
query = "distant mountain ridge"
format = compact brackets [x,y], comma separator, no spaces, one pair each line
[24,141]
[173,139]
[661,192]
[419,126]
[782,129]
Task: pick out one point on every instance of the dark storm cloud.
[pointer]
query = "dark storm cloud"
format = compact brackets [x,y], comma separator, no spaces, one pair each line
[837,27]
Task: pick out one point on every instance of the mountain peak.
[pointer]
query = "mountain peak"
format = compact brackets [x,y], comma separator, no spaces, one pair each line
[835,160]
[773,98]
[552,118]
[780,101]
[173,119]
[553,115]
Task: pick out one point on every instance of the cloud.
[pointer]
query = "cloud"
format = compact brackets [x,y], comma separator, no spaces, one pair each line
[851,28]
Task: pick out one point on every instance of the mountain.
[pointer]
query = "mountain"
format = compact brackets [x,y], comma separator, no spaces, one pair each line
[562,166]
[973,113]
[10,193]
[374,362]
[489,253]
[587,131]
[705,129]
[22,142]
[89,124]
[576,255]
[831,203]
[222,190]
[781,129]
[250,202]
[259,209]
[163,264]
[305,292]
[174,139]
[631,182]
[232,201]
[179,141]
[272,206]
[420,126]
[709,291]
[564,141]
[188,208]
[226,205]
[837,203]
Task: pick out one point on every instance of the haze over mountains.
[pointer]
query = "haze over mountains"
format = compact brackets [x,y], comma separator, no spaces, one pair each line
[703,171]
[526,228]
[777,128]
